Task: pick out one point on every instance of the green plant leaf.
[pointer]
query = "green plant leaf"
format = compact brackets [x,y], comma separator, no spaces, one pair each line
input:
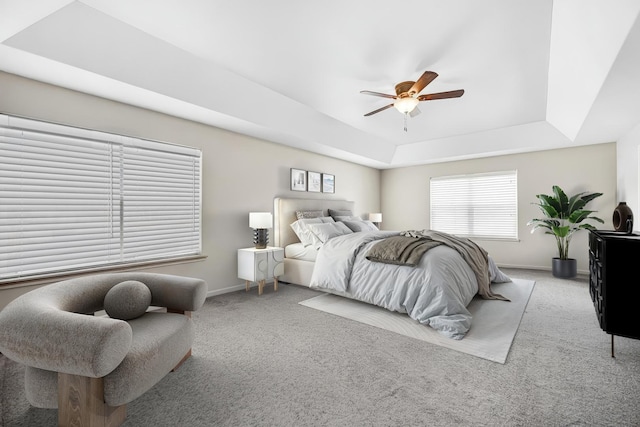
[562,200]
[576,203]
[590,197]
[587,227]
[541,225]
[547,221]
[547,200]
[548,206]
[561,231]
[578,216]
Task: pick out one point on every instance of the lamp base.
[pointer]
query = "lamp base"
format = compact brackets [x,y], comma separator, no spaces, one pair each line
[260,238]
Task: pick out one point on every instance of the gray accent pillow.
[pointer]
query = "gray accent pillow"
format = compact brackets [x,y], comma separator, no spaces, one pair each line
[335,212]
[358,226]
[308,214]
[347,218]
[127,300]
[326,231]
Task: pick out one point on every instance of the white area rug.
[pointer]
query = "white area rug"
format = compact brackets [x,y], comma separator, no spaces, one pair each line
[493,327]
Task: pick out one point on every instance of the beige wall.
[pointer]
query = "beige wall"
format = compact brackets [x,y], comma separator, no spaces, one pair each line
[240,173]
[405,197]
[628,155]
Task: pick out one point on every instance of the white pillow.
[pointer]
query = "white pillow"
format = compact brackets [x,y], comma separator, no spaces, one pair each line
[305,236]
[324,232]
[300,228]
[327,219]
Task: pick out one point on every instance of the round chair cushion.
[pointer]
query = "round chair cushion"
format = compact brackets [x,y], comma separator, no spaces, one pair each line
[127,300]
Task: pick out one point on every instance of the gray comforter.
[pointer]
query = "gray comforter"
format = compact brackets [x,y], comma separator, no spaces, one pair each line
[436,292]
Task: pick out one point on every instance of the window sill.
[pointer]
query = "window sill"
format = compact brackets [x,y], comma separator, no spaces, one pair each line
[56,277]
[496,239]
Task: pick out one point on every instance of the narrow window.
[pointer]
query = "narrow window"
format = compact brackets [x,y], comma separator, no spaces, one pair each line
[478,205]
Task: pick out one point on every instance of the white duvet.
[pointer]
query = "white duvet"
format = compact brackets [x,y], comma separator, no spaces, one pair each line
[435,293]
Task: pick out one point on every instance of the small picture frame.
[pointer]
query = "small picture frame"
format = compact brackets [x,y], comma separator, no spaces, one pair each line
[298,180]
[328,183]
[314,181]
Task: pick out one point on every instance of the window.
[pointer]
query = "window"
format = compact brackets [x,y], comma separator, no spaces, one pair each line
[479,205]
[74,199]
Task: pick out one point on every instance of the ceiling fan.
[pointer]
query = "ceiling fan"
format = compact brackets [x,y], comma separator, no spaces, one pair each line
[407,98]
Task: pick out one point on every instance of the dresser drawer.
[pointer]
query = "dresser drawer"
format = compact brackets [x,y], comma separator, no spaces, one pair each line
[596,246]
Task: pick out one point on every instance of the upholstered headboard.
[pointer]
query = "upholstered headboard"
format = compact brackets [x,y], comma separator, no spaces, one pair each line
[284,212]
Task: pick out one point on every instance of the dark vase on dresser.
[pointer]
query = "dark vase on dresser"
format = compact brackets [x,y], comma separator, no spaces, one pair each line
[623,218]
[614,283]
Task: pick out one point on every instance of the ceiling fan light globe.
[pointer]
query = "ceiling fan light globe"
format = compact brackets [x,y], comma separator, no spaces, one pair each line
[406,105]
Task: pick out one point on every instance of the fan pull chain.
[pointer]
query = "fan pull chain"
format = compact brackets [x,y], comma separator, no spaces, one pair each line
[405,121]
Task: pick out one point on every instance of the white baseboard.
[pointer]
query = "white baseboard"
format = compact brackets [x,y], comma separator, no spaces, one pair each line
[224,290]
[235,288]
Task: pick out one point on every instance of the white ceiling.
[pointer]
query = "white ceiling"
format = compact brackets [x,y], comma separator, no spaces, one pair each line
[537,74]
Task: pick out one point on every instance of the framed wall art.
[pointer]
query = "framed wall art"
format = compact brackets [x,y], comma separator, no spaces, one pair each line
[298,180]
[328,183]
[314,181]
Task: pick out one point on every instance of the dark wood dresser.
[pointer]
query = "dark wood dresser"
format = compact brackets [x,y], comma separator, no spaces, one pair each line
[614,283]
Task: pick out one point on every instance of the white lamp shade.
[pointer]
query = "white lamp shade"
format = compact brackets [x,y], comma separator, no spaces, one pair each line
[260,220]
[375,217]
[405,105]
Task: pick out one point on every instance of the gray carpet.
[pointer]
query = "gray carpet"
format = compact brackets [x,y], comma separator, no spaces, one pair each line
[268,361]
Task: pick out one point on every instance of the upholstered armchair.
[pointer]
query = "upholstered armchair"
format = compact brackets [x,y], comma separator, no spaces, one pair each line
[89,364]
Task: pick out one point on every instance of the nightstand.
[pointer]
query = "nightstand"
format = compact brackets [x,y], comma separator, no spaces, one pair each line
[260,265]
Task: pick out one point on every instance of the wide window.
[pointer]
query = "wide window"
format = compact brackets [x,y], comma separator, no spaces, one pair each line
[73,199]
[479,205]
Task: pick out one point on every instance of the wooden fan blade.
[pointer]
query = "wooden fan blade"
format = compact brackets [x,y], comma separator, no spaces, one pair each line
[378,110]
[442,95]
[426,78]
[384,95]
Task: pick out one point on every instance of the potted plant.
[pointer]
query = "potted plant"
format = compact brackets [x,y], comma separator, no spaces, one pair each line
[564,216]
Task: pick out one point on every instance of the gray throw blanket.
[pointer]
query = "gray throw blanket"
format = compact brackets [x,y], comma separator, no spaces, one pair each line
[474,255]
[401,250]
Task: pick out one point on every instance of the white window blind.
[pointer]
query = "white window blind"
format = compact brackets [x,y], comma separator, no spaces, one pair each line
[478,205]
[73,198]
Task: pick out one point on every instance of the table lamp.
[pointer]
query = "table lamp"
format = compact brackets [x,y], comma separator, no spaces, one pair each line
[260,222]
[375,218]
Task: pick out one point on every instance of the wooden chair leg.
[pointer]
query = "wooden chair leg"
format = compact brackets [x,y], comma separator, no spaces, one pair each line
[186,313]
[81,403]
[184,359]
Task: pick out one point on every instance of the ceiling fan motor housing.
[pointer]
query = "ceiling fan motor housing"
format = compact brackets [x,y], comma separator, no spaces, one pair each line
[403,87]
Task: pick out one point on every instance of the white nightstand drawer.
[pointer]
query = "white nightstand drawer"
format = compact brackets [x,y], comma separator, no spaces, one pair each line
[261,266]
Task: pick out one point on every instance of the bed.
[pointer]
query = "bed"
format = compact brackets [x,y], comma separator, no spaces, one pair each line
[434,291]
